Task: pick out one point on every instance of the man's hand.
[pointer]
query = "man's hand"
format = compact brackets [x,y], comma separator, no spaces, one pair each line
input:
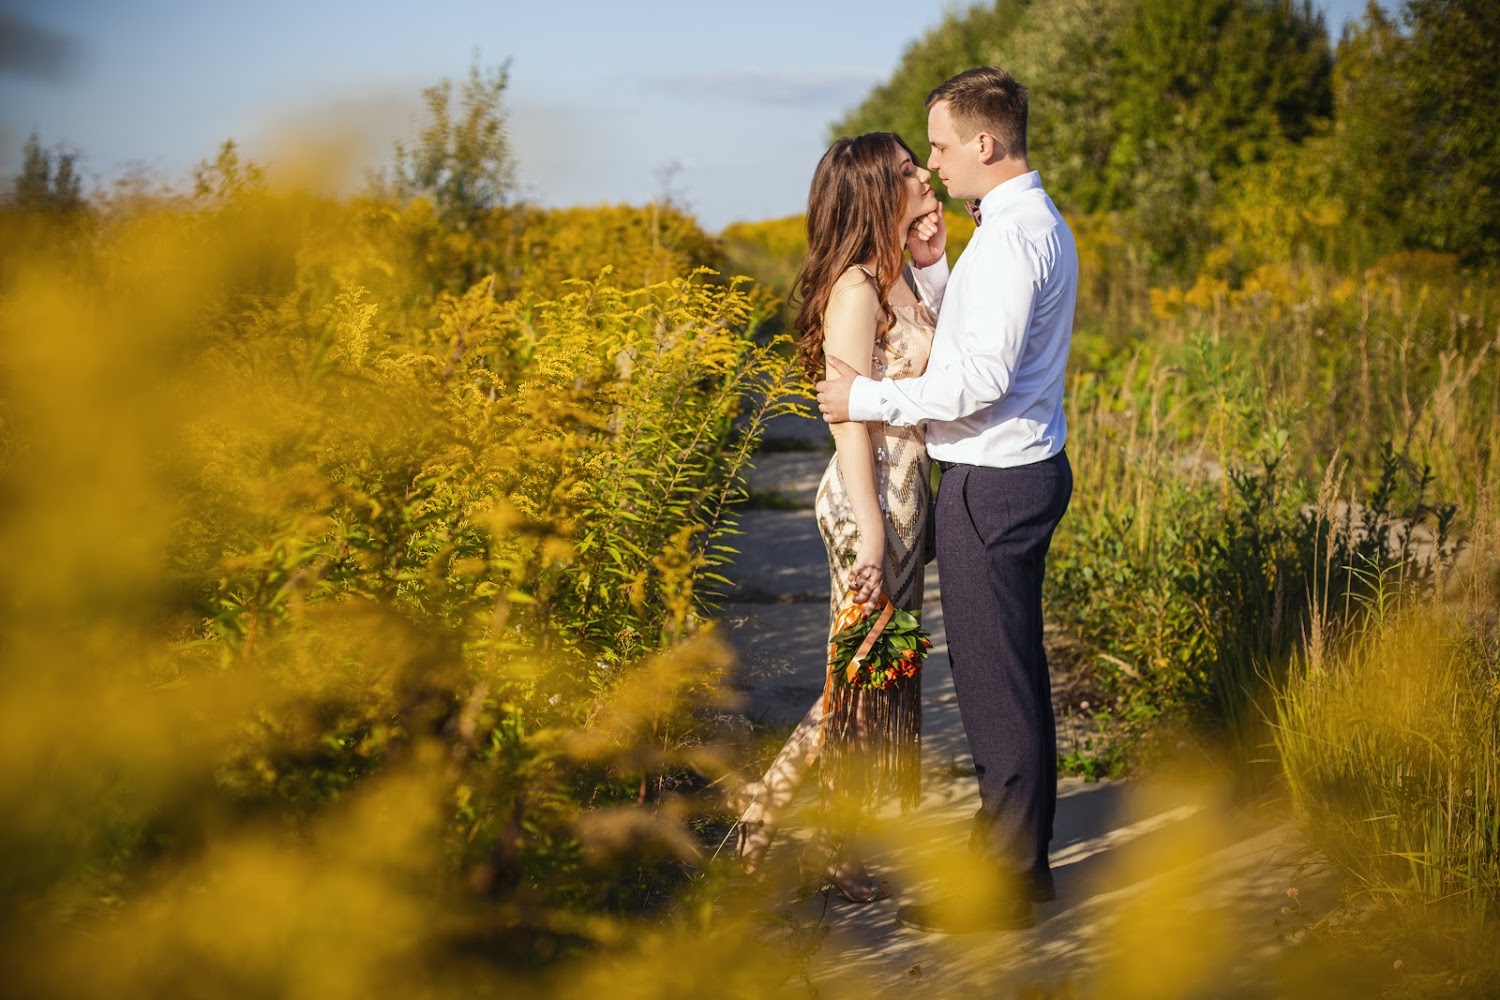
[833,394]
[927,238]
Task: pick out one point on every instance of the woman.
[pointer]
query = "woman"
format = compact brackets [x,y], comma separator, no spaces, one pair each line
[868,195]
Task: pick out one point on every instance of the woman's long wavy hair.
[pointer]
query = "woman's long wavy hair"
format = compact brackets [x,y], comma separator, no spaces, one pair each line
[857,197]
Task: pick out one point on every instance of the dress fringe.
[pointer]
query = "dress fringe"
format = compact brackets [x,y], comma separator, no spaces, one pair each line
[872,744]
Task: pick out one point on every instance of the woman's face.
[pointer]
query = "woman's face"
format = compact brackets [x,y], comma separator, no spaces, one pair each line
[919,197]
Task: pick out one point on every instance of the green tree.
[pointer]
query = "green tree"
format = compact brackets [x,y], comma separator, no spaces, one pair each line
[1416,154]
[453,184]
[1204,88]
[1138,106]
[462,158]
[1226,76]
[48,180]
[1066,53]
[1451,82]
[1374,136]
[962,40]
[1061,49]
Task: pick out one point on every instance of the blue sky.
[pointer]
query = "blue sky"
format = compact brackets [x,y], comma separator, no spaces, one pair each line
[726,105]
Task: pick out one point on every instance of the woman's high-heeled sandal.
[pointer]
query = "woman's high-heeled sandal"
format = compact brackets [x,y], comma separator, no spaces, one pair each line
[818,874]
[752,836]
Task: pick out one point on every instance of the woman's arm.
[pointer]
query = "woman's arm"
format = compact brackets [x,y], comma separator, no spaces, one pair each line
[849,333]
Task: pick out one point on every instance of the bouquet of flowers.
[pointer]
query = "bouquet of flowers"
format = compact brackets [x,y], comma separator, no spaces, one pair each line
[876,644]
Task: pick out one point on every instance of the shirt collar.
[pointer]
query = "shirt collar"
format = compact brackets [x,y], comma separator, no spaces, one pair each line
[992,204]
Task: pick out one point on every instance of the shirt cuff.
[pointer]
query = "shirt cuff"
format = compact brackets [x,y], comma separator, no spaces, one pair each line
[934,272]
[866,401]
[932,281]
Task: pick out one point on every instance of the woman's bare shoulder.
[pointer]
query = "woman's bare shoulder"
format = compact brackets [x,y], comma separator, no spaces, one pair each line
[854,288]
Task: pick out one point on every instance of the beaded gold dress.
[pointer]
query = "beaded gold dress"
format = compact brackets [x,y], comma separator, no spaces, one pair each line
[872,739]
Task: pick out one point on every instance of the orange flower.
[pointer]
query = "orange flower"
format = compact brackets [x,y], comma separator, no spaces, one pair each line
[886,662]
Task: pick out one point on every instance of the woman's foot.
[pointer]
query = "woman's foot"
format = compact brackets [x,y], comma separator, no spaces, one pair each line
[855,884]
[752,830]
[846,876]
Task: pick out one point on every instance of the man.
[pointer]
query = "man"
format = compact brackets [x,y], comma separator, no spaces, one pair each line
[992,399]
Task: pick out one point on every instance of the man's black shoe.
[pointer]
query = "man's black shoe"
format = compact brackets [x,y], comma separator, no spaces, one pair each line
[950,918]
[1042,889]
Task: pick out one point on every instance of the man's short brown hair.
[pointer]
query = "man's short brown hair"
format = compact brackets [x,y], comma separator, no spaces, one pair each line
[986,99]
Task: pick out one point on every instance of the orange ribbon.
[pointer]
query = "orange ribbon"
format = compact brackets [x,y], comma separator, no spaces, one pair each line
[843,620]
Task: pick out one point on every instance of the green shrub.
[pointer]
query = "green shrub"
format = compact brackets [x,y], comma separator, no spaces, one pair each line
[365,646]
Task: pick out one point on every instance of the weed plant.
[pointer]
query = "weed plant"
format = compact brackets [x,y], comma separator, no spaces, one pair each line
[1389,734]
[362,644]
[1185,563]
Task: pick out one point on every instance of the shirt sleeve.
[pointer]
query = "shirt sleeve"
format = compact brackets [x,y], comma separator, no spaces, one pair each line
[932,281]
[864,399]
[973,362]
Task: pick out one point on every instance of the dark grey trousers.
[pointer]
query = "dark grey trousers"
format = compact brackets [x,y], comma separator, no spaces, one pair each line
[993,530]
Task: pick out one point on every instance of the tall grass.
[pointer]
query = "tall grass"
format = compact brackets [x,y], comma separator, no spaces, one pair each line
[1199,445]
[1404,353]
[1388,730]
[1392,756]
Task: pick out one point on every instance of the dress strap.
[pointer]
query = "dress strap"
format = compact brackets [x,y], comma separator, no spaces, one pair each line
[910,278]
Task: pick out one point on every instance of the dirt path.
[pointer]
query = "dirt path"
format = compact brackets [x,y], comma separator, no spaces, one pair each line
[1177,859]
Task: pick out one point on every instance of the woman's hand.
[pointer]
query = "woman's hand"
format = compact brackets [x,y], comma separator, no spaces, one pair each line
[867,576]
[927,238]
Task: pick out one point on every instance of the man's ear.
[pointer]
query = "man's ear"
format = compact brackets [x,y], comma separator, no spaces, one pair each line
[987,147]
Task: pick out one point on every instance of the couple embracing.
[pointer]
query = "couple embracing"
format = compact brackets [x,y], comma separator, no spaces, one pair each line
[964,369]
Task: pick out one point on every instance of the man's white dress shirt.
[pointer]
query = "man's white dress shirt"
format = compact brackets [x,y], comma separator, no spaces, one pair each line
[993,389]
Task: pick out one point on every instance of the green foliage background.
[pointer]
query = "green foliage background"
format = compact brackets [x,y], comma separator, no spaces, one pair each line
[1157,110]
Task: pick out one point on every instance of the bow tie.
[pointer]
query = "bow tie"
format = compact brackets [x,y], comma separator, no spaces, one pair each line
[973,207]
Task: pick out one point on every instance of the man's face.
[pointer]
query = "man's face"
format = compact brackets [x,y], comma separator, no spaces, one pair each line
[957,163]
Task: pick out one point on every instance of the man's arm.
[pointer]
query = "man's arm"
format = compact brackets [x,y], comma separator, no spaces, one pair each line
[833,393]
[975,365]
[928,242]
[931,283]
